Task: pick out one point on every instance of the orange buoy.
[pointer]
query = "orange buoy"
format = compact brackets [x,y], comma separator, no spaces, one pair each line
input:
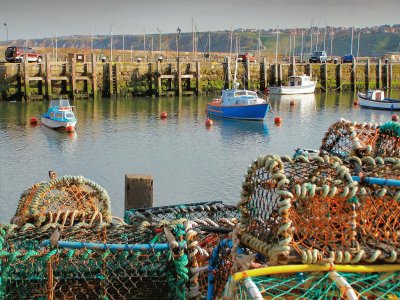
[355,103]
[292,103]
[70,128]
[395,118]
[278,120]
[163,115]
[33,121]
[209,122]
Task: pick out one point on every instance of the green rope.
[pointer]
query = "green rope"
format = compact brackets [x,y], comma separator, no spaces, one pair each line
[390,128]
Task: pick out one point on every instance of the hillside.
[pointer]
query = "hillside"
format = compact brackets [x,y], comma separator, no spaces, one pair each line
[374,43]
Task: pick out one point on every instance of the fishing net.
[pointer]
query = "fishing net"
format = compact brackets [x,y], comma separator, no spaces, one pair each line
[310,210]
[63,200]
[388,142]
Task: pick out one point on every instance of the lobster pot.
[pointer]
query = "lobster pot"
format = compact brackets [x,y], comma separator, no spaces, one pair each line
[310,209]
[388,141]
[344,138]
[63,200]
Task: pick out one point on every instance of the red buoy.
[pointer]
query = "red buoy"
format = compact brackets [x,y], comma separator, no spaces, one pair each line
[209,122]
[355,103]
[70,128]
[292,103]
[278,120]
[33,121]
[163,115]
[395,118]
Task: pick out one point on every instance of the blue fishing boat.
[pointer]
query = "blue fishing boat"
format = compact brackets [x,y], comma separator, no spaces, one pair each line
[60,115]
[239,104]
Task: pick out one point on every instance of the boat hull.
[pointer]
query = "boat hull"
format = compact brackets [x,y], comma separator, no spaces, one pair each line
[56,124]
[385,104]
[243,112]
[292,90]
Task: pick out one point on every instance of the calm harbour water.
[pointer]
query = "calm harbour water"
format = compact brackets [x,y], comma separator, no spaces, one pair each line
[188,162]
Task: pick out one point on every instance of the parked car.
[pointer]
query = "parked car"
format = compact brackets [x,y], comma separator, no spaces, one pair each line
[319,57]
[16,54]
[244,56]
[348,58]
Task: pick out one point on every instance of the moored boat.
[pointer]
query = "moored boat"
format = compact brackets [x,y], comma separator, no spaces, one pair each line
[297,85]
[376,99]
[239,104]
[60,115]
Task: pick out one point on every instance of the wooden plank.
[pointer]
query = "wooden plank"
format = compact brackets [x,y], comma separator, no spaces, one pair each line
[187,76]
[168,76]
[138,191]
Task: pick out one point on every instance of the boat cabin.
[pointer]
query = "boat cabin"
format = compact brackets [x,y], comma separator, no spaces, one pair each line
[240,97]
[299,80]
[61,103]
[375,95]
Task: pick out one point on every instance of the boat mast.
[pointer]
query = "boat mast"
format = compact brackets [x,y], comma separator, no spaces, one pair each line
[276,46]
[351,42]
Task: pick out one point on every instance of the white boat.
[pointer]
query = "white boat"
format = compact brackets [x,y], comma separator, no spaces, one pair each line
[60,115]
[297,85]
[376,99]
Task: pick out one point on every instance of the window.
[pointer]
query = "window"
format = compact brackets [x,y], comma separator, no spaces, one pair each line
[58,115]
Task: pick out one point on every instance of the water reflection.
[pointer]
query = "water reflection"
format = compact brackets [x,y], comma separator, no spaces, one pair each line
[306,103]
[59,141]
[230,127]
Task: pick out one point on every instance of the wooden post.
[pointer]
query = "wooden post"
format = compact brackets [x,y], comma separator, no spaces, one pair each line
[386,84]
[198,76]
[26,77]
[280,75]
[339,77]
[247,76]
[309,67]
[110,79]
[117,72]
[264,75]
[158,78]
[94,76]
[73,86]
[179,79]
[227,72]
[367,69]
[390,75]
[138,191]
[325,74]
[379,74]
[48,77]
[149,80]
[353,76]
[276,74]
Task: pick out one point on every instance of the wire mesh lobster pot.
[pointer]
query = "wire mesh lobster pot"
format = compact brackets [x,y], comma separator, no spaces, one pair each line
[310,210]
[344,138]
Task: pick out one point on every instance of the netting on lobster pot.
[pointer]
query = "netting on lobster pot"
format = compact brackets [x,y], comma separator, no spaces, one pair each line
[64,200]
[344,138]
[388,141]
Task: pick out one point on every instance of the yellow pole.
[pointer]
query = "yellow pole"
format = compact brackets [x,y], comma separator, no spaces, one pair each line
[315,268]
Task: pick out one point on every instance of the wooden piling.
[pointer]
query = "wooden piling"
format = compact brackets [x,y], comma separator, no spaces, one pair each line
[325,76]
[138,191]
[379,74]
[48,77]
[26,77]
[73,81]
[158,78]
[367,69]
[353,76]
[309,68]
[110,79]
[339,77]
[94,76]
[280,72]
[276,74]
[386,78]
[247,75]
[149,79]
[227,73]
[293,67]
[198,76]
[390,75]
[264,75]
[117,71]
[179,79]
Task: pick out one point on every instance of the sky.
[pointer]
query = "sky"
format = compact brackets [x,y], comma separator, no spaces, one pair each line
[46,18]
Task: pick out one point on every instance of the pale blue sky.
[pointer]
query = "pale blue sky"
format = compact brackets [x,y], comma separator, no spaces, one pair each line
[43,18]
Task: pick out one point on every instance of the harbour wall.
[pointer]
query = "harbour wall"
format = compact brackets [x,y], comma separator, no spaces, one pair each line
[93,78]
